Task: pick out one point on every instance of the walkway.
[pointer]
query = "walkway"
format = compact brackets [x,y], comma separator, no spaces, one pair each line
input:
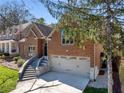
[101,81]
[54,82]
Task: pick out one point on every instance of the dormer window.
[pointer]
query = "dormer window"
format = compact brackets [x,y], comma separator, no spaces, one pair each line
[65,40]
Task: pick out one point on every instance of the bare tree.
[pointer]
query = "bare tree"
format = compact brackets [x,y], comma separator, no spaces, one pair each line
[13,14]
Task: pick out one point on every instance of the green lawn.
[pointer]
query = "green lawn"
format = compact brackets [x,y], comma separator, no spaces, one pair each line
[8,79]
[95,90]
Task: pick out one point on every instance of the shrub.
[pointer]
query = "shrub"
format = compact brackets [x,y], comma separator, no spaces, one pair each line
[16,58]
[3,57]
[17,55]
[20,62]
[15,62]
[6,54]
[1,53]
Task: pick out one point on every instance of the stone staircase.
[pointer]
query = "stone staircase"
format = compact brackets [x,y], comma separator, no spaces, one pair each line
[29,69]
[30,73]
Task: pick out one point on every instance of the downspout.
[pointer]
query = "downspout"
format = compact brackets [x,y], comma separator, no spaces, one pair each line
[94,63]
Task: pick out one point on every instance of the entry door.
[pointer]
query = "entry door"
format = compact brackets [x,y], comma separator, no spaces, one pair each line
[45,49]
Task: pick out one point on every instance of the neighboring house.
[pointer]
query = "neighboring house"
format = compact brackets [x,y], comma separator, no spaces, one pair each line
[35,41]
[65,56]
[26,39]
[9,39]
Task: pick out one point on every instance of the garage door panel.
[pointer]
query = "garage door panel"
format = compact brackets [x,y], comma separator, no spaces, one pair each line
[73,66]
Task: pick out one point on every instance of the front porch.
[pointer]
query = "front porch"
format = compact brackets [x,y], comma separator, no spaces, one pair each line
[9,46]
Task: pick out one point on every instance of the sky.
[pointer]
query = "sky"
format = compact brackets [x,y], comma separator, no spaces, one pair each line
[35,8]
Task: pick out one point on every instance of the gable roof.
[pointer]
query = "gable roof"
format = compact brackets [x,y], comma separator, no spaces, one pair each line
[11,32]
[44,30]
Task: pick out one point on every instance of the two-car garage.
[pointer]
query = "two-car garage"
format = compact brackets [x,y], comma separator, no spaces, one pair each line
[71,64]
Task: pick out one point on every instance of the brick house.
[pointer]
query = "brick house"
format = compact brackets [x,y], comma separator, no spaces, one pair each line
[34,41]
[65,56]
[27,39]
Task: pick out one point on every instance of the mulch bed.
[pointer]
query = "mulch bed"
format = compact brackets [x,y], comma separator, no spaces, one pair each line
[11,65]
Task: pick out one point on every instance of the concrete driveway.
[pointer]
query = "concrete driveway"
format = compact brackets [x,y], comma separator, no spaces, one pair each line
[54,82]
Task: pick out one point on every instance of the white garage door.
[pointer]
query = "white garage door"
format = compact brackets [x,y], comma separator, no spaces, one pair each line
[73,65]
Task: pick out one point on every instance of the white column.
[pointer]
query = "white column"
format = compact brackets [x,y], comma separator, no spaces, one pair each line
[10,48]
[0,47]
[5,49]
[17,47]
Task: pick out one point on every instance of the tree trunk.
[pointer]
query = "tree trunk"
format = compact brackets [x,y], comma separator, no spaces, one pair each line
[116,60]
[109,38]
[110,80]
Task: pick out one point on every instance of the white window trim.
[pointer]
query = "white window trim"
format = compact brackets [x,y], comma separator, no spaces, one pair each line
[31,53]
[31,46]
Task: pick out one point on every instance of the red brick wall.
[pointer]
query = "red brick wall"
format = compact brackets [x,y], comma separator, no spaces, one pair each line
[98,50]
[40,47]
[56,48]
[31,40]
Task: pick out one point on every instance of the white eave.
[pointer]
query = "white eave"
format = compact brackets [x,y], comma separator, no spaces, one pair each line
[22,40]
[5,41]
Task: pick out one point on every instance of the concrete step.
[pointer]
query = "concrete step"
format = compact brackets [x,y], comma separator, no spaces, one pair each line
[29,70]
[33,75]
[25,78]
[29,73]
[28,76]
[29,67]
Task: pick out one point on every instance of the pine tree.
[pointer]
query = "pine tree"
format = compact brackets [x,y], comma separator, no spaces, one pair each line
[97,20]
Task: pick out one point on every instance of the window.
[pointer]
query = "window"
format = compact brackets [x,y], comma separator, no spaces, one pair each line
[64,40]
[31,49]
[13,46]
[3,47]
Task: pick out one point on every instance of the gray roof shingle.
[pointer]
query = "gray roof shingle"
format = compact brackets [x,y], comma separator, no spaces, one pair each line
[46,30]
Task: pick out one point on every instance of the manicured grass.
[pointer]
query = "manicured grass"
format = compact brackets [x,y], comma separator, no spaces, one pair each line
[95,90]
[122,75]
[8,79]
